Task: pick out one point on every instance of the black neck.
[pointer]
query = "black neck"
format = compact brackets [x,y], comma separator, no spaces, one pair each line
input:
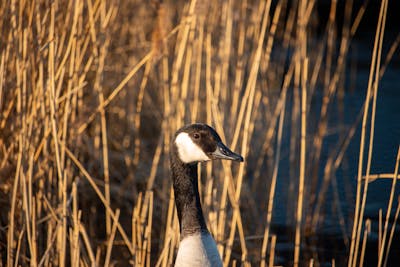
[187,198]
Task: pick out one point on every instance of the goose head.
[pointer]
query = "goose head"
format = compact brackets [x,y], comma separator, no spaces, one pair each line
[199,142]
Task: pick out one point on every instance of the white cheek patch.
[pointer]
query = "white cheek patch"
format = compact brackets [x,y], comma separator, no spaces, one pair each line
[188,151]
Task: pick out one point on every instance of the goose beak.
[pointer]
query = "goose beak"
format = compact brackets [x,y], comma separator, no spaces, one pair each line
[222,152]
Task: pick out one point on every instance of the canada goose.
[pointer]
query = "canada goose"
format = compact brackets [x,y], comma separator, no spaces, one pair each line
[192,144]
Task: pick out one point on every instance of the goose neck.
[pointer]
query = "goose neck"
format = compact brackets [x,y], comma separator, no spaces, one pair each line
[187,198]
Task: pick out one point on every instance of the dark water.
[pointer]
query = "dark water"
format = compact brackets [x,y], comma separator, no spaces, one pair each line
[331,239]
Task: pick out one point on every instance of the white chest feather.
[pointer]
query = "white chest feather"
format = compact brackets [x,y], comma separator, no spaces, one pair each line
[198,250]
[188,151]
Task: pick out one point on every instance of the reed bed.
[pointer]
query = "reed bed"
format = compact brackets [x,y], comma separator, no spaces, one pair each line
[91,93]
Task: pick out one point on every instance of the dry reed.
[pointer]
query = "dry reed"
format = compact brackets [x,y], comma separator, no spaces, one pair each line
[91,93]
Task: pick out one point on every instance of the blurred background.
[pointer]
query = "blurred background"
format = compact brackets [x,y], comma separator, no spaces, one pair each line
[91,93]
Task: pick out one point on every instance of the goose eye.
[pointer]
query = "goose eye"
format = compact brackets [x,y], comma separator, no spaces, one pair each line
[196,136]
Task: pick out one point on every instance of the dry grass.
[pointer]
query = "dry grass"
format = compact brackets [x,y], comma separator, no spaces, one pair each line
[91,93]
